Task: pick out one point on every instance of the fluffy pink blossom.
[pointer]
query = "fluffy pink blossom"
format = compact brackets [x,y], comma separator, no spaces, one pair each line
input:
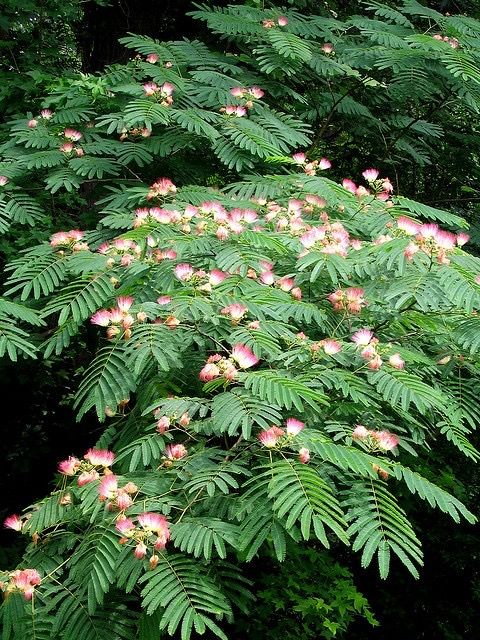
[304,455]
[296,293]
[32,123]
[396,361]
[324,163]
[216,276]
[101,318]
[175,451]
[370,175]
[70,466]
[294,426]
[184,271]
[3,181]
[108,487]
[66,147]
[123,500]
[124,303]
[331,347]
[152,58]
[13,522]
[462,238]
[87,476]
[244,356]
[362,337]
[140,550]
[164,300]
[100,457]
[125,526]
[256,92]
[162,424]
[270,437]
[299,158]
[236,311]
[150,88]
[72,134]
[385,440]
[46,114]
[167,89]
[375,363]
[209,372]
[409,226]
[360,432]
[154,522]
[26,580]
[237,92]
[349,185]
[282,21]
[327,47]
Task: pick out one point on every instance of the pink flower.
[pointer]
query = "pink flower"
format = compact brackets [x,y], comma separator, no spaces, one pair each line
[86,477]
[304,455]
[385,440]
[268,23]
[396,361]
[324,163]
[477,279]
[349,185]
[331,347]
[411,250]
[125,526]
[101,318]
[237,92]
[108,487]
[256,92]
[296,293]
[13,522]
[26,580]
[184,271]
[100,457]
[285,283]
[123,500]
[69,467]
[72,134]
[46,114]
[462,238]
[244,356]
[370,175]
[154,522]
[32,123]
[236,311]
[270,437]
[282,21]
[150,88]
[66,147]
[375,363]
[124,303]
[167,89]
[140,551]
[164,300]
[409,226]
[175,451]
[184,420]
[152,58]
[3,181]
[294,426]
[267,277]
[362,337]
[360,432]
[162,424]
[209,372]
[327,47]
[216,277]
[299,158]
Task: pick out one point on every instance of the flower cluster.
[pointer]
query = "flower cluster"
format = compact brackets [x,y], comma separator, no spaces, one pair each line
[453,42]
[163,94]
[127,250]
[95,461]
[202,280]
[350,300]
[164,422]
[330,238]
[150,530]
[161,187]
[369,351]
[269,23]
[220,367]
[69,240]
[116,497]
[275,435]
[45,115]
[380,188]
[68,147]
[430,239]
[248,96]
[375,440]
[22,581]
[310,167]
[135,133]
[118,319]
